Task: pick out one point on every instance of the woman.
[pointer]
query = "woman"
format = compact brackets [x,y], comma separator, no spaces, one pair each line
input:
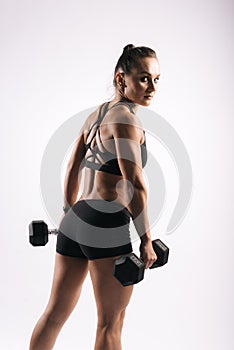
[95,229]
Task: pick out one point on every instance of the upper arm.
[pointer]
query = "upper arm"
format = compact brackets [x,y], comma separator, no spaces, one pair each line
[78,152]
[127,137]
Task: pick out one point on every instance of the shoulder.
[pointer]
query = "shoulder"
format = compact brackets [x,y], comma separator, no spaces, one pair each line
[121,114]
[122,122]
[90,120]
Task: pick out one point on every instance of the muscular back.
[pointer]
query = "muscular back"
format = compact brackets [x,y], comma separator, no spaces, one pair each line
[121,134]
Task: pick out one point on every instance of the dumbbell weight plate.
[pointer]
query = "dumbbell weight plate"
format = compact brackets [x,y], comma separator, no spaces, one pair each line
[38,233]
[162,252]
[129,269]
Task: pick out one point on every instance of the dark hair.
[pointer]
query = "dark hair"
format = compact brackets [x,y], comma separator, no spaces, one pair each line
[130,58]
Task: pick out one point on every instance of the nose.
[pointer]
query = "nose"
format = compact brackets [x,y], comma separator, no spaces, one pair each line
[151,86]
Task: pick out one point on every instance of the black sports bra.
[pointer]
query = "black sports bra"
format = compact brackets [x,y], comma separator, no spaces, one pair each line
[109,162]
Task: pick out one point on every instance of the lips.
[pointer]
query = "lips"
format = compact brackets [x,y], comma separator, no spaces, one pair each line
[148,96]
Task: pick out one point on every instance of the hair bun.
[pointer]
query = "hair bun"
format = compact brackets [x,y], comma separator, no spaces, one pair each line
[128,47]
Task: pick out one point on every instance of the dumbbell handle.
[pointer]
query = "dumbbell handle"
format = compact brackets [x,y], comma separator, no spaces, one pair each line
[53,231]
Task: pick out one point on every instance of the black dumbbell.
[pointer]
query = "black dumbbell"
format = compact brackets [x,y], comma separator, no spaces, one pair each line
[129,269]
[38,233]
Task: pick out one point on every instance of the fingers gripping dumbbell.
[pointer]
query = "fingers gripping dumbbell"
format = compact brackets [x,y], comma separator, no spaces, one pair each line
[129,269]
[38,233]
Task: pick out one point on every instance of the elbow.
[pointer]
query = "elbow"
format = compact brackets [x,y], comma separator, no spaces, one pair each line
[135,177]
[138,184]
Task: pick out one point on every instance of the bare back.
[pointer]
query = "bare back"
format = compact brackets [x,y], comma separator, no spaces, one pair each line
[99,184]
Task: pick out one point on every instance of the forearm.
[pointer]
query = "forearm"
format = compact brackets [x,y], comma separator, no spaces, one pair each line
[138,210]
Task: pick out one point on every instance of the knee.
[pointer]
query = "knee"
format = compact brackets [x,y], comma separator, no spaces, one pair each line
[55,319]
[111,323]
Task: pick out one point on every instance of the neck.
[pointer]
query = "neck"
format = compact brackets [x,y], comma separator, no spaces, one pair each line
[119,98]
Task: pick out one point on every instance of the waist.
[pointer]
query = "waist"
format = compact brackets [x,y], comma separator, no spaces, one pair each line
[107,213]
[109,205]
[111,166]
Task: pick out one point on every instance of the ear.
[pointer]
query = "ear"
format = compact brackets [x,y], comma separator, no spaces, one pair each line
[119,78]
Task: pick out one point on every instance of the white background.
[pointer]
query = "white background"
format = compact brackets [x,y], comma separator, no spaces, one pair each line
[57,58]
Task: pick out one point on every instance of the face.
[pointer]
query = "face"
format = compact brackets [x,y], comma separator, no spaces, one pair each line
[141,83]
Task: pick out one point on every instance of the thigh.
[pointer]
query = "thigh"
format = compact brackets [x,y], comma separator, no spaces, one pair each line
[111,297]
[69,275]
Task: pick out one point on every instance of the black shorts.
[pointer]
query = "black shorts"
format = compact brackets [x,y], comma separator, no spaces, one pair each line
[95,229]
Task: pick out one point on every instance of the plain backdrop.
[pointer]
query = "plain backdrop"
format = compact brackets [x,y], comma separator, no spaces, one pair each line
[57,58]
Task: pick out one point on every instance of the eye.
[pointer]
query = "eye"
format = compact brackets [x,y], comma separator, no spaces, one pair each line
[144,79]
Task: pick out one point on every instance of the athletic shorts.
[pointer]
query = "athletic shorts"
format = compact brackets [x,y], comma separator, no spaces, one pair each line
[95,229]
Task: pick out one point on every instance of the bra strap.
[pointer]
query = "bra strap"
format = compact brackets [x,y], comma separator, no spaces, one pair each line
[127,104]
[102,112]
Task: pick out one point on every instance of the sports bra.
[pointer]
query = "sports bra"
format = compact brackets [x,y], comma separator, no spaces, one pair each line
[107,161]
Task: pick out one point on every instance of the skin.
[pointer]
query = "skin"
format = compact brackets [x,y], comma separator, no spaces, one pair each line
[70,273]
[141,82]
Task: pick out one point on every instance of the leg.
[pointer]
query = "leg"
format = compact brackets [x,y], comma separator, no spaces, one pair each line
[111,299]
[69,275]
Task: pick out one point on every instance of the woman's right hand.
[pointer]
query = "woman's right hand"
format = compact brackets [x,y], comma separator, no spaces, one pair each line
[148,254]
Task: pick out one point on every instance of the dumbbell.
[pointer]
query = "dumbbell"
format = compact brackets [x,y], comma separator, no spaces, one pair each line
[129,269]
[38,233]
